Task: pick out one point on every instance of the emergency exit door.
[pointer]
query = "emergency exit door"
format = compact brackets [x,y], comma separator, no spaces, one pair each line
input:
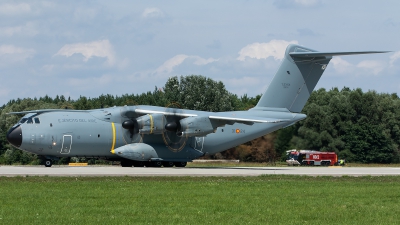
[66,144]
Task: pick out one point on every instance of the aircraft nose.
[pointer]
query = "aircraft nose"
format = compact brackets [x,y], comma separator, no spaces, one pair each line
[14,136]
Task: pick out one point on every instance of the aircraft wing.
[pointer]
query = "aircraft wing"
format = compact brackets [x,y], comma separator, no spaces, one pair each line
[228,118]
[146,111]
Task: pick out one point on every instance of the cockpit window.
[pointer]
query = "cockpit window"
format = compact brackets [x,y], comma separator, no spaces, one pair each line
[23,120]
[36,120]
[30,120]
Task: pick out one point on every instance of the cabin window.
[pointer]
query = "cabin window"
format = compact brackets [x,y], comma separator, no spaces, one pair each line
[36,120]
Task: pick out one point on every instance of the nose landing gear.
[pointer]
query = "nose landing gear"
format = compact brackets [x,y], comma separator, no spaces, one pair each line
[48,162]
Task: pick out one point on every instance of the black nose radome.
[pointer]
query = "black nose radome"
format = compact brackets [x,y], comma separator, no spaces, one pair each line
[14,136]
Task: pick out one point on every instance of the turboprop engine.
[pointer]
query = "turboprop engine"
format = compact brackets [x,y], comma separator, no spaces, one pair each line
[195,126]
[151,124]
[137,152]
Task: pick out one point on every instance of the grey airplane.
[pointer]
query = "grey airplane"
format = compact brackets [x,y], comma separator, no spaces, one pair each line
[144,135]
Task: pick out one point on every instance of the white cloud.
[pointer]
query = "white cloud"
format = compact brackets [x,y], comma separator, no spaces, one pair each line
[27,30]
[168,65]
[341,65]
[372,66]
[152,13]
[394,57]
[201,61]
[274,48]
[15,9]
[12,53]
[101,48]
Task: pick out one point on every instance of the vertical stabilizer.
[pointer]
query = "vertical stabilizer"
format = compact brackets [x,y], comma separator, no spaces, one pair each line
[297,76]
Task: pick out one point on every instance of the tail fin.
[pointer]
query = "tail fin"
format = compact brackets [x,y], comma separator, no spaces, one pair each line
[297,76]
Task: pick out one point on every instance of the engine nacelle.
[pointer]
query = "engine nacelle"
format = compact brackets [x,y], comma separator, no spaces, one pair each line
[137,152]
[151,124]
[195,126]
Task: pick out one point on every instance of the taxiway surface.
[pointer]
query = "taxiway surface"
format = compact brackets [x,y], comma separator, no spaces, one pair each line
[194,171]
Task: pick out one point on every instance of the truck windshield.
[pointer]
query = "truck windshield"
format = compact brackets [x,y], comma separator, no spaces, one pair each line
[292,156]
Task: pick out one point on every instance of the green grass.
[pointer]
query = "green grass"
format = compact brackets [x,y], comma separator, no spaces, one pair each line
[200,200]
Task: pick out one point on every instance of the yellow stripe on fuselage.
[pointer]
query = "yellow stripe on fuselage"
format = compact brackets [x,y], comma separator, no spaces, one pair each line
[151,124]
[113,139]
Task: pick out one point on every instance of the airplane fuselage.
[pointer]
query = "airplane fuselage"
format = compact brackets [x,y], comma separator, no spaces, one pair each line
[97,133]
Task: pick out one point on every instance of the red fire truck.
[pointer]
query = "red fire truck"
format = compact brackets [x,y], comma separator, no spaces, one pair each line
[311,158]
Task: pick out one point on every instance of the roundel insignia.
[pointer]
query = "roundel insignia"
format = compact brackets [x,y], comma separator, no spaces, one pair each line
[323,67]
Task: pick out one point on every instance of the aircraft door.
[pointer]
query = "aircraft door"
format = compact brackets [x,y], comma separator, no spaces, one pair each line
[66,144]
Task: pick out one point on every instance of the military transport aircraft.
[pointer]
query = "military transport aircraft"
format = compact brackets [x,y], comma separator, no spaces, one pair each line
[158,136]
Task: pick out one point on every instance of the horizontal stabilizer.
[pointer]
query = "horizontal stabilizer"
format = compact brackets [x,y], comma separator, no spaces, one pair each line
[321,54]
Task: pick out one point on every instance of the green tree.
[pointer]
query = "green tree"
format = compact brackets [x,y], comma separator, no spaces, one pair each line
[198,93]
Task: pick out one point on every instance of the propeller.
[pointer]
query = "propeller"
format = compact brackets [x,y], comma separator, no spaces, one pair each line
[173,135]
[130,125]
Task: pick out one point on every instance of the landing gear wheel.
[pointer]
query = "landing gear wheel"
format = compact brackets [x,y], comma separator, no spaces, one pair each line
[180,164]
[168,164]
[138,164]
[157,164]
[48,162]
[126,163]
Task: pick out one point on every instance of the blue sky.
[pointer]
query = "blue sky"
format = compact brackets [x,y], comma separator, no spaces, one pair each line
[90,48]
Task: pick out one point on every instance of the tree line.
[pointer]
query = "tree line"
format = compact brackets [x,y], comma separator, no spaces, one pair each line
[359,126]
